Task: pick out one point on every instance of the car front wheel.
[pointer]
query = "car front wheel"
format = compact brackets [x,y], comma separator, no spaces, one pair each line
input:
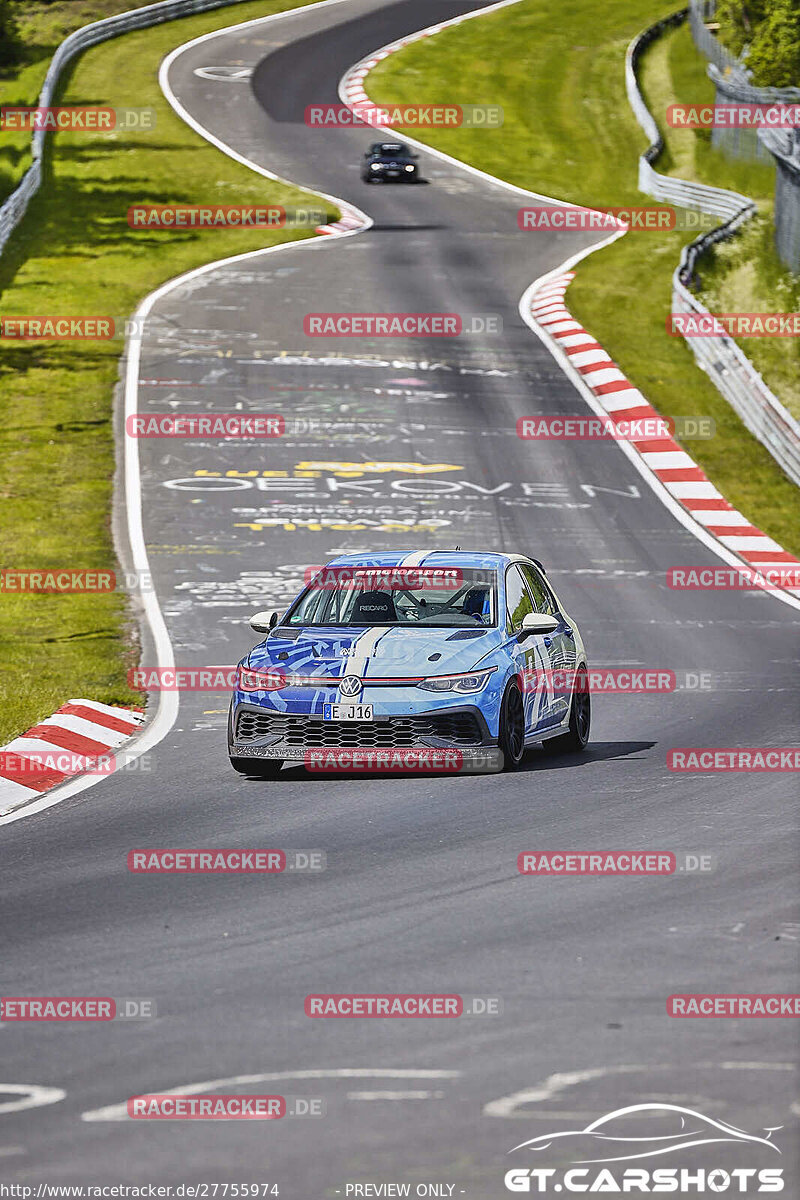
[512,728]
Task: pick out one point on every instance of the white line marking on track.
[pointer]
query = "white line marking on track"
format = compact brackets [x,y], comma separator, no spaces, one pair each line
[119,1112]
[168,702]
[32,1095]
[407,1095]
[553,1085]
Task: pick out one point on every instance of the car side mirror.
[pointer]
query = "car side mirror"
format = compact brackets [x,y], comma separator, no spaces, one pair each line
[262,622]
[538,623]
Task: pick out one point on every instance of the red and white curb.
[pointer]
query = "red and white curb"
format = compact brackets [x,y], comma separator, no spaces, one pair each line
[673,467]
[349,221]
[671,472]
[52,751]
[351,88]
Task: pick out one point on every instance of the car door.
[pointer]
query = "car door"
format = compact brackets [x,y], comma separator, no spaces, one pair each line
[560,644]
[531,655]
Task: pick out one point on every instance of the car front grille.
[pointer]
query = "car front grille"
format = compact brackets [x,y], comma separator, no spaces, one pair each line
[456,729]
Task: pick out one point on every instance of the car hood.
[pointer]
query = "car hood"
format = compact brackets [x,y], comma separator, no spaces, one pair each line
[395,653]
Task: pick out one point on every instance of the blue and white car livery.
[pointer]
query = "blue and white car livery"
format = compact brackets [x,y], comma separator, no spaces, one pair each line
[398,650]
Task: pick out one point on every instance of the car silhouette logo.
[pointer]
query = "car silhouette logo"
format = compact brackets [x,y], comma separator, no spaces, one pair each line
[350,685]
[613,1138]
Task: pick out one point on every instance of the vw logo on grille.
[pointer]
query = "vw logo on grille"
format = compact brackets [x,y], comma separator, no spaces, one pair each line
[349,685]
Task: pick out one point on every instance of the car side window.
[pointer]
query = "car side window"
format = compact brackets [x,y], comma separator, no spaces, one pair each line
[518,602]
[542,599]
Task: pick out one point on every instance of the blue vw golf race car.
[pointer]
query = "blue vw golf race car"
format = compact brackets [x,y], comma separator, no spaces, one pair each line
[444,660]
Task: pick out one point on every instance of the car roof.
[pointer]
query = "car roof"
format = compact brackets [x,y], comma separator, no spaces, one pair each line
[433,558]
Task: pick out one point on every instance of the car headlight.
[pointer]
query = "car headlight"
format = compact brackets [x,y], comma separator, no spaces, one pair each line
[475,681]
[410,167]
[376,166]
[260,681]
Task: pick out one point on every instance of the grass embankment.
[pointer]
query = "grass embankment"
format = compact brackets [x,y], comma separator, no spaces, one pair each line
[558,72]
[42,26]
[745,273]
[76,255]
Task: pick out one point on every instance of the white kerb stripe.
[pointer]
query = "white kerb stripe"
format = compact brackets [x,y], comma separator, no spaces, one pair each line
[14,793]
[575,339]
[604,375]
[34,746]
[711,516]
[583,357]
[99,733]
[692,491]
[742,542]
[627,398]
[661,460]
[123,714]
[562,326]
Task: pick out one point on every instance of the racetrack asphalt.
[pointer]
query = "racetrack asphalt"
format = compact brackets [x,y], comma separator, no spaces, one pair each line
[421,891]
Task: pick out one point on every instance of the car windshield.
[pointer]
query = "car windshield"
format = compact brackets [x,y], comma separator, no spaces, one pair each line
[390,148]
[421,596]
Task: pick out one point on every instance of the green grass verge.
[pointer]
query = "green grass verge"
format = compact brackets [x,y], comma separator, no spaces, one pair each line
[745,273]
[43,26]
[557,69]
[75,254]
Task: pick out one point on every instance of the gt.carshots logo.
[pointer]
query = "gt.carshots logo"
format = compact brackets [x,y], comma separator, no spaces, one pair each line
[647,1131]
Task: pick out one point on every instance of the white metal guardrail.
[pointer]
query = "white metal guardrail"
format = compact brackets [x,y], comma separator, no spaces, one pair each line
[721,358]
[715,52]
[13,209]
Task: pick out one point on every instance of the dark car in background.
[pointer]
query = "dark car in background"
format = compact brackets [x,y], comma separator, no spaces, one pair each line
[390,161]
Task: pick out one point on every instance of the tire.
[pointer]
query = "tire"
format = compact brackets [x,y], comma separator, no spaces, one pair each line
[257,768]
[580,719]
[511,738]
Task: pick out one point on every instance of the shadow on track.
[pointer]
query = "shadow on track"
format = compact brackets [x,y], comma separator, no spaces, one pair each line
[535,760]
